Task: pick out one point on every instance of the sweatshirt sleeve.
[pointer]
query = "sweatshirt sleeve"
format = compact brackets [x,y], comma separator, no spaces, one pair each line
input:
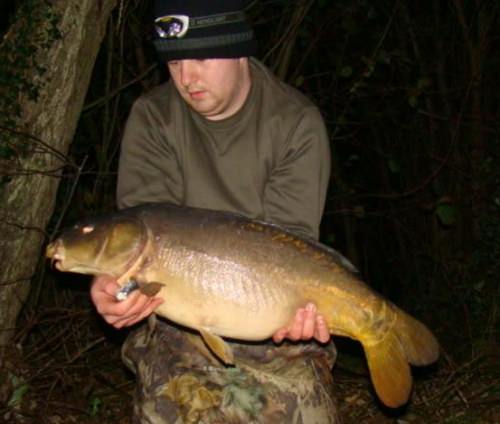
[148,168]
[296,191]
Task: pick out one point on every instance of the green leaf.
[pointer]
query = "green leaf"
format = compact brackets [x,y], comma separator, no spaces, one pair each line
[359,211]
[18,394]
[342,120]
[394,166]
[346,72]
[356,86]
[95,405]
[330,239]
[384,57]
[479,286]
[423,83]
[299,81]
[446,213]
[349,25]
[412,101]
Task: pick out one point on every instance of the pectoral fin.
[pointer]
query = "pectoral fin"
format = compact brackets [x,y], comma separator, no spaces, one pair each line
[218,346]
[150,289]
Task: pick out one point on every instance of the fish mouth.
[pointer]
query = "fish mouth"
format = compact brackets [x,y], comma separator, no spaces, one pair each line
[55,253]
[57,264]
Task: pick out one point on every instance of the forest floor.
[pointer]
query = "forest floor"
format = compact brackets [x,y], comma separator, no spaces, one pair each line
[467,394]
[69,370]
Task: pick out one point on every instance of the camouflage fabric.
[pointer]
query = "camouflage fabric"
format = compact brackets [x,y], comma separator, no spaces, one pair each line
[179,381]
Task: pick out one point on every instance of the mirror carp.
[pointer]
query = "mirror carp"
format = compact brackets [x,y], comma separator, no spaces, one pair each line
[225,275]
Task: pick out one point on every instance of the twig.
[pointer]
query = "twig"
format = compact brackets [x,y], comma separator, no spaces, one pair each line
[49,149]
[113,93]
[38,286]
[86,348]
[70,197]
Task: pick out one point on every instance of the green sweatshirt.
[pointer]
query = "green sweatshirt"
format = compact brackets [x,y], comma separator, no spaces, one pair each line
[269,161]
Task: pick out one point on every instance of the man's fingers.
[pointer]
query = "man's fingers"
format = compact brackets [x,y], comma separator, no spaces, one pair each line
[144,306]
[108,305]
[120,313]
[111,288]
[306,324]
[309,322]
[119,322]
[138,304]
[321,333]
[295,332]
[279,336]
[103,284]
[148,311]
[135,315]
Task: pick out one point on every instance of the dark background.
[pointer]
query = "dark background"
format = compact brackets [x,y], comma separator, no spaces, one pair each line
[409,92]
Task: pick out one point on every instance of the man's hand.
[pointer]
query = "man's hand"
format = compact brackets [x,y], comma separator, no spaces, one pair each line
[306,325]
[124,313]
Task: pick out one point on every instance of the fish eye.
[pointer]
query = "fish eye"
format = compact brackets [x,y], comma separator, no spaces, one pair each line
[87,229]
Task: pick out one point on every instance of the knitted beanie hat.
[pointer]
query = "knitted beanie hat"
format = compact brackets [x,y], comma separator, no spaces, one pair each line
[202,29]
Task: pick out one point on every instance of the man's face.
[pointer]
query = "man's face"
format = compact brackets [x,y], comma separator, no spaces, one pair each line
[215,88]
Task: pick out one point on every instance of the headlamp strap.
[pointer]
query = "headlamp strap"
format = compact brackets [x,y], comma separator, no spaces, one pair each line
[218,19]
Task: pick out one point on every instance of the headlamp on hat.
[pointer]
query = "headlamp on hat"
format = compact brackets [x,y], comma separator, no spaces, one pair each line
[176,26]
[197,29]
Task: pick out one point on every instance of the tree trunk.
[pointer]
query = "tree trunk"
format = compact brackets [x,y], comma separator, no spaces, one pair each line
[47,57]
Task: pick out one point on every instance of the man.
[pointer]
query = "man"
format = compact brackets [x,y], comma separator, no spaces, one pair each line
[223,134]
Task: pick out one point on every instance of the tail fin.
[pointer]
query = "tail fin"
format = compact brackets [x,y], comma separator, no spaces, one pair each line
[389,370]
[419,344]
[407,341]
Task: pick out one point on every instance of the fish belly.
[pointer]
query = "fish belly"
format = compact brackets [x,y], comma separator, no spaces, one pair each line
[228,316]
